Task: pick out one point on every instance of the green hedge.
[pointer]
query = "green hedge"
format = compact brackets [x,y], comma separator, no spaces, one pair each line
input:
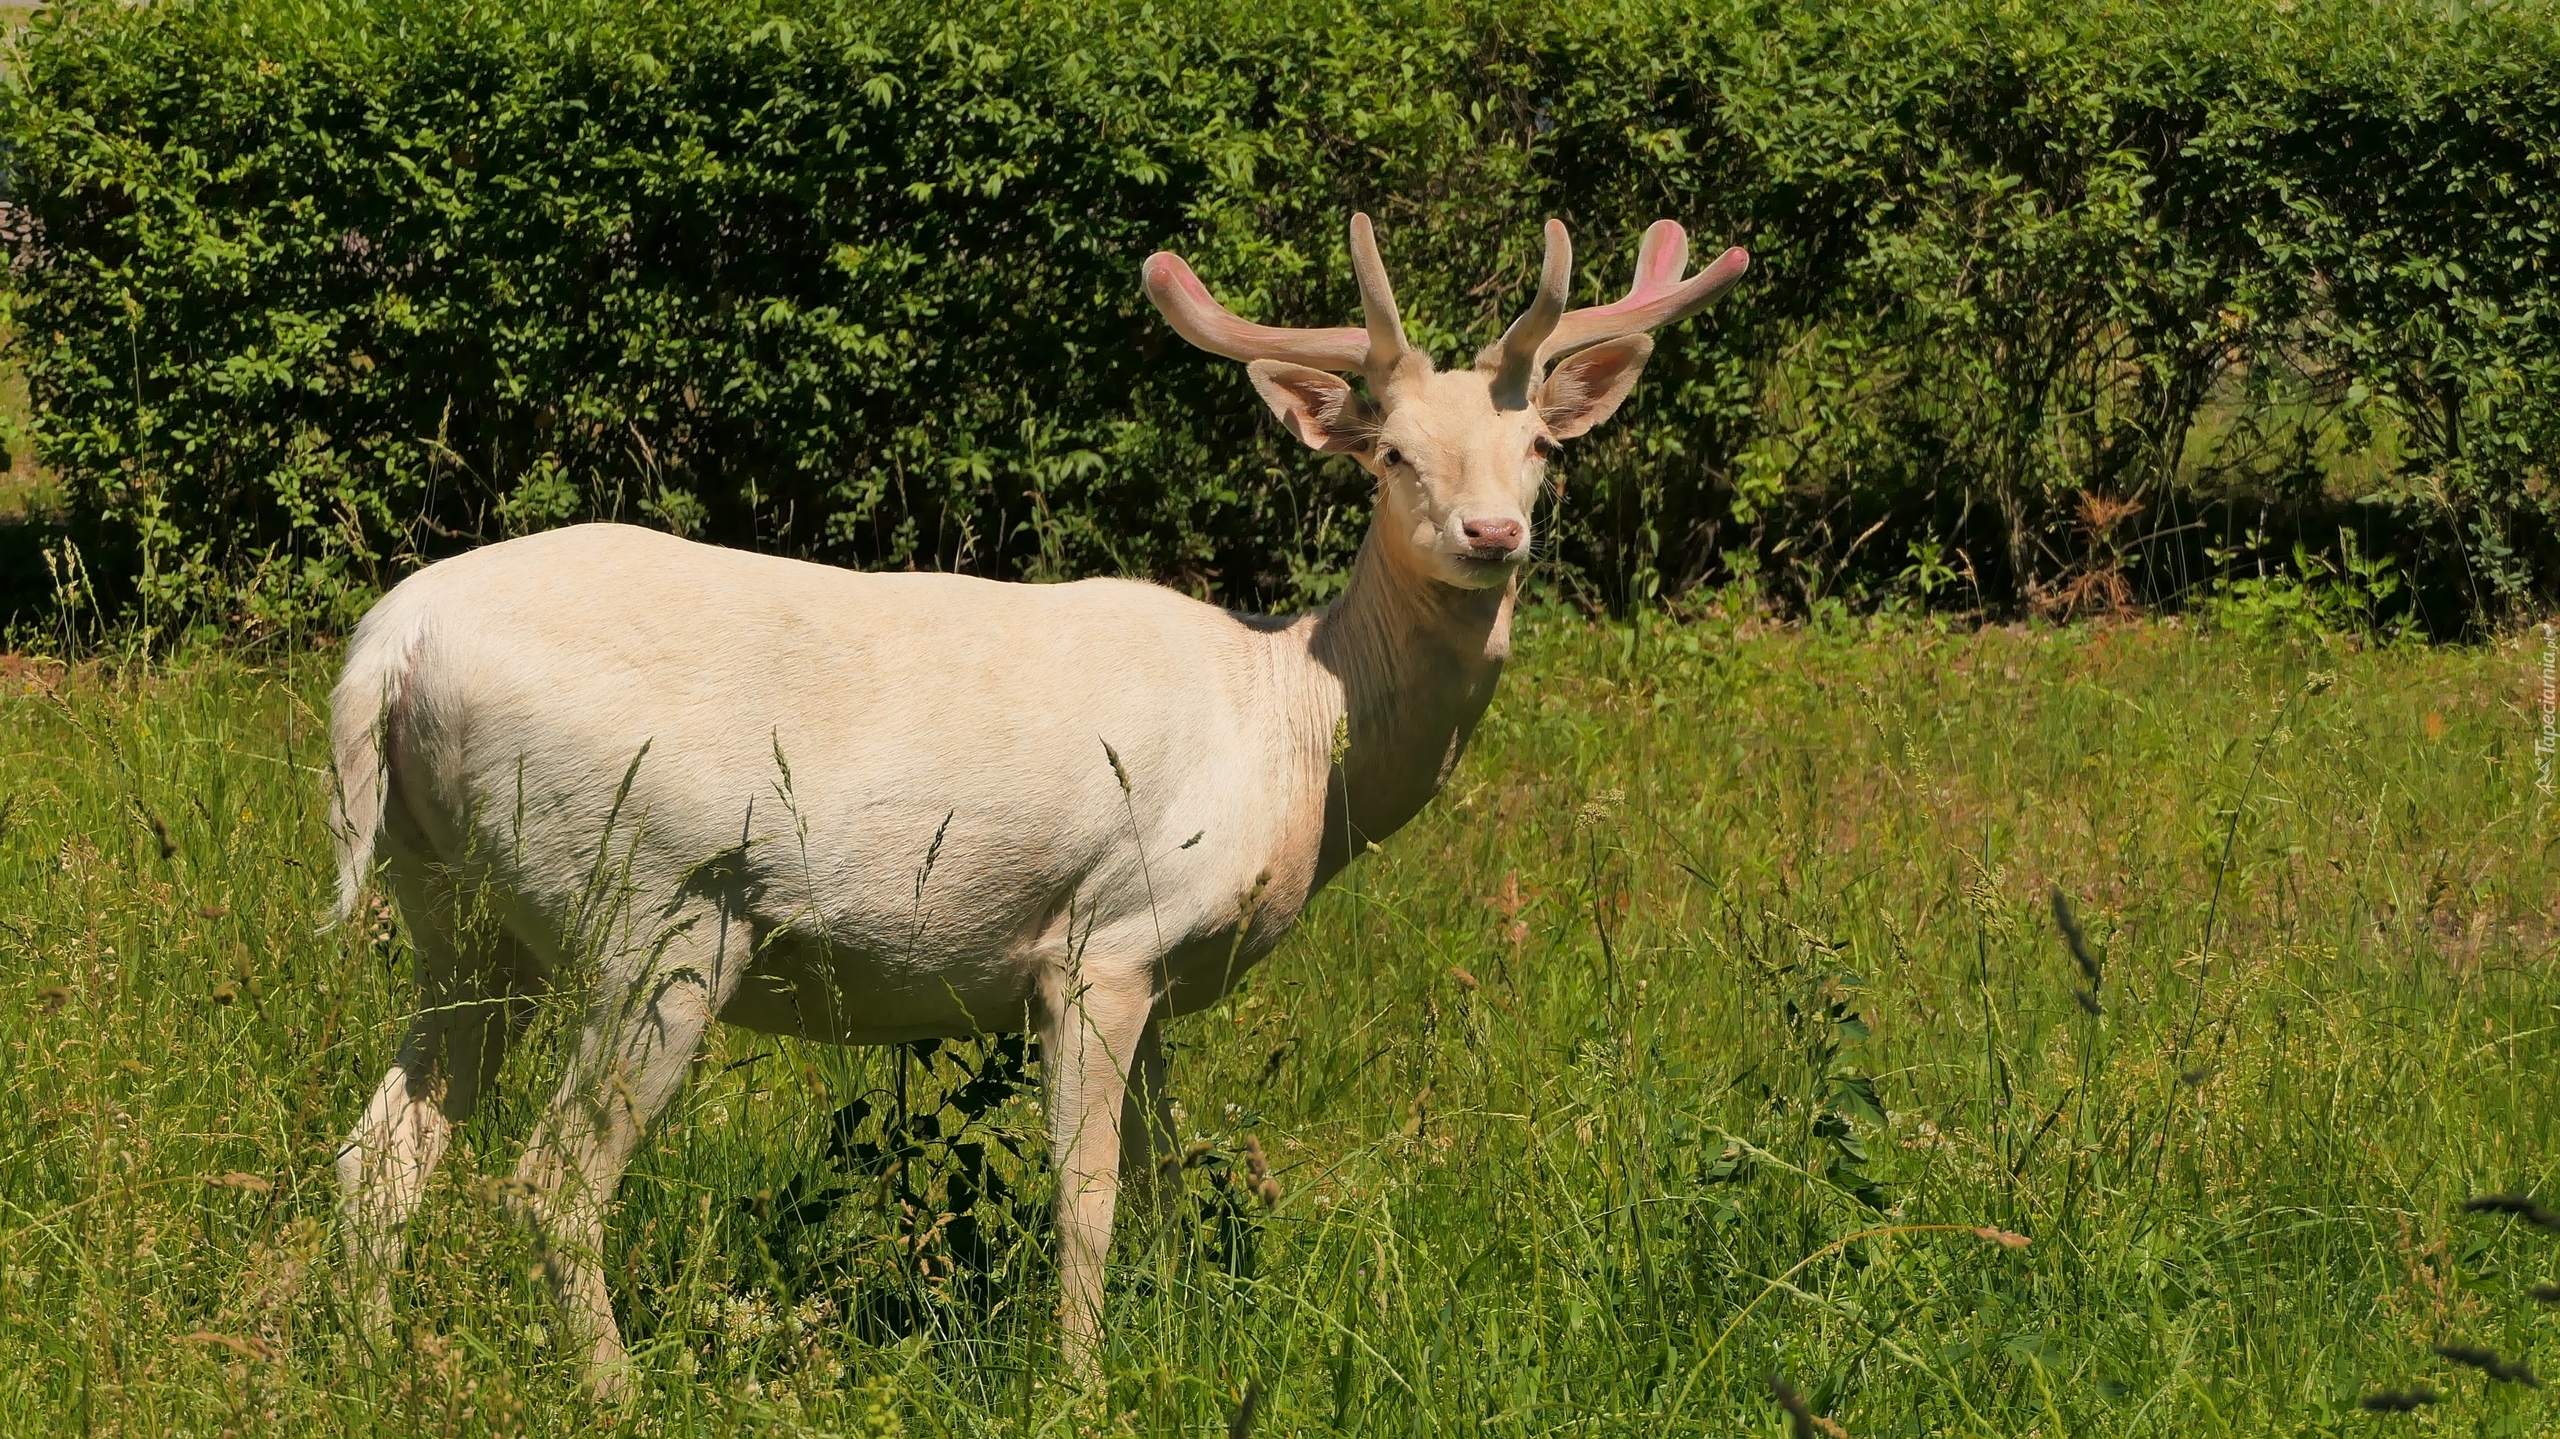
[319,289]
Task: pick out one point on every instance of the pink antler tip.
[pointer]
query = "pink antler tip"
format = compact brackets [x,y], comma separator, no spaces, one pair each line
[1661,256]
[1167,272]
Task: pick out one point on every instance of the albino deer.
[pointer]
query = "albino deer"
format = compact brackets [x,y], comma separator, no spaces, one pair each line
[708,785]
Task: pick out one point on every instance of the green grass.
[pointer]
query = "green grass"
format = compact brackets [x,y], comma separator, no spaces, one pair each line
[1599,1185]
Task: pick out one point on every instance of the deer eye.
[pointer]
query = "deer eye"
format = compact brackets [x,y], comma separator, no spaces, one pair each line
[1543,447]
[1392,459]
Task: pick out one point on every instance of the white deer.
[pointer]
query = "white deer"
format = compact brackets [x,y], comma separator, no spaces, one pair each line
[694,784]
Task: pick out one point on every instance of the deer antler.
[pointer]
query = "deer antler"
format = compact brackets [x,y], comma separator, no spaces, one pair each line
[1657,298]
[1375,350]
[1387,345]
[1518,356]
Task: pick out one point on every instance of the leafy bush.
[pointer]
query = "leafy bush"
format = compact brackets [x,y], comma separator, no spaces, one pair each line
[319,289]
[2311,598]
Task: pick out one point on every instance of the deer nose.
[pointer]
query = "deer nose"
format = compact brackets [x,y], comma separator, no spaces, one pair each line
[1493,539]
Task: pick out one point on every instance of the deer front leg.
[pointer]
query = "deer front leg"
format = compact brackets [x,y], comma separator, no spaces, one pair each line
[1090,1038]
[1147,1140]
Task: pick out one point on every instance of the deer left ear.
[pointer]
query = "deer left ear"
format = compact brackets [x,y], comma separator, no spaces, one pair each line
[1587,386]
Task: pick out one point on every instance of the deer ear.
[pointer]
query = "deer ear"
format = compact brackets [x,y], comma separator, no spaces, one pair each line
[1587,386]
[1317,407]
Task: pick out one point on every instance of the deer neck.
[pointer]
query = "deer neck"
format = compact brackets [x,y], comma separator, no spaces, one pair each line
[1416,661]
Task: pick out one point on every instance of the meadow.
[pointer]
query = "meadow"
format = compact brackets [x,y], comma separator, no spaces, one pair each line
[1719,1023]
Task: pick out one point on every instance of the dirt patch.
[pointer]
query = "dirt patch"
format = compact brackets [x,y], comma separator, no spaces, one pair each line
[22,673]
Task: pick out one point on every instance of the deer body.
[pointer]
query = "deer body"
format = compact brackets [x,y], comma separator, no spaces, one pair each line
[711,786]
[897,840]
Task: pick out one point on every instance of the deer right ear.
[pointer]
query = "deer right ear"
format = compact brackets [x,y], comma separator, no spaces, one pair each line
[1317,407]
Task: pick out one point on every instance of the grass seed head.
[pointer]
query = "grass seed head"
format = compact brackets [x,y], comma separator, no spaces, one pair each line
[2078,942]
[247,1346]
[2488,1361]
[1242,1425]
[1802,1422]
[2522,1206]
[1250,902]
[1257,1168]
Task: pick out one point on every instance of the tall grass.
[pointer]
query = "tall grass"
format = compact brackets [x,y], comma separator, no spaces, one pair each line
[1715,1026]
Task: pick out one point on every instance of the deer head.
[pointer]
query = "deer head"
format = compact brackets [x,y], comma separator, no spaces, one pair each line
[1458,456]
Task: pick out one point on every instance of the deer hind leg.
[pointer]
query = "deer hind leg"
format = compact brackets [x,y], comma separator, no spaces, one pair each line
[1091,1036]
[645,1020]
[471,978]
[384,1166]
